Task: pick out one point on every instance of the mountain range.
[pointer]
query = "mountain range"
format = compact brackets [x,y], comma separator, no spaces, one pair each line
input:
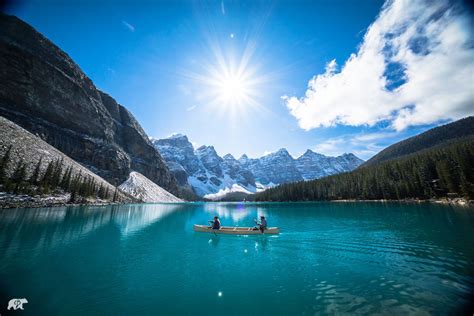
[208,175]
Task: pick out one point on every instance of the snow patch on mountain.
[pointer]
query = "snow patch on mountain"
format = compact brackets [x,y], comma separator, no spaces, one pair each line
[146,190]
[262,187]
[227,190]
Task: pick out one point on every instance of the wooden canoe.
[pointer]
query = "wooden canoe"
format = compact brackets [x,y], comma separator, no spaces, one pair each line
[227,230]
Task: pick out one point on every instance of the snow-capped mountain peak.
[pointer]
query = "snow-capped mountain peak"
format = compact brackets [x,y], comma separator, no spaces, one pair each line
[282,151]
[310,153]
[228,157]
[177,135]
[243,159]
[210,175]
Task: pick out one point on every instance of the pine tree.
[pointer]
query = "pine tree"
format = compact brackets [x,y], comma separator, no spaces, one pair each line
[33,180]
[56,173]
[75,186]
[101,192]
[115,198]
[82,187]
[18,178]
[46,180]
[4,166]
[66,180]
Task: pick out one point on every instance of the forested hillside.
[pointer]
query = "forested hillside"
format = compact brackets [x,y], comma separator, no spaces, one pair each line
[436,172]
[437,136]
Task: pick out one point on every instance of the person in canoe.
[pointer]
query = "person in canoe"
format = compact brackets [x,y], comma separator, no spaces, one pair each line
[216,223]
[262,225]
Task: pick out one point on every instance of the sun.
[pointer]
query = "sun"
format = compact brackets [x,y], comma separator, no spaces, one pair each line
[233,84]
[230,82]
[232,89]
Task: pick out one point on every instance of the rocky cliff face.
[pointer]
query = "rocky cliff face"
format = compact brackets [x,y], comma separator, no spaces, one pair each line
[211,162]
[212,176]
[44,91]
[179,155]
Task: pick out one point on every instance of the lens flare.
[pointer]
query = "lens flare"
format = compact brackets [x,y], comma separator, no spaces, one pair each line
[232,89]
[230,83]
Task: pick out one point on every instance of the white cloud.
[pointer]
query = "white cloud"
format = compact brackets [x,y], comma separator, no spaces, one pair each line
[374,136]
[428,42]
[330,147]
[190,108]
[362,145]
[222,7]
[129,26]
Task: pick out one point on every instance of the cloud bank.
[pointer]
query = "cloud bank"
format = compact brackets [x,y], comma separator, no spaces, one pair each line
[414,66]
[363,145]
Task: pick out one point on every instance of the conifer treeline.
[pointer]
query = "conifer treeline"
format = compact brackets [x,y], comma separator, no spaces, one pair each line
[55,177]
[432,173]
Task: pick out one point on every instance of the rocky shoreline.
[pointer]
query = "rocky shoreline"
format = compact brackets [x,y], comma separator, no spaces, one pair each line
[9,201]
[447,201]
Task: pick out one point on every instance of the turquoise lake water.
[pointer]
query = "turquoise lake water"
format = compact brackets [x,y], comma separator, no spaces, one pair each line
[329,258]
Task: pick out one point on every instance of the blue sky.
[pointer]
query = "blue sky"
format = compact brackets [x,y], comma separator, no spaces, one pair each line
[174,65]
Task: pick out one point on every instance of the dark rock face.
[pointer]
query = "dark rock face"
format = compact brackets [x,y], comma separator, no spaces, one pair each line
[44,91]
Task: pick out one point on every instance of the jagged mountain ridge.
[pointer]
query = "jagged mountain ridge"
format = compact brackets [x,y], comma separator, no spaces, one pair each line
[210,175]
[44,91]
